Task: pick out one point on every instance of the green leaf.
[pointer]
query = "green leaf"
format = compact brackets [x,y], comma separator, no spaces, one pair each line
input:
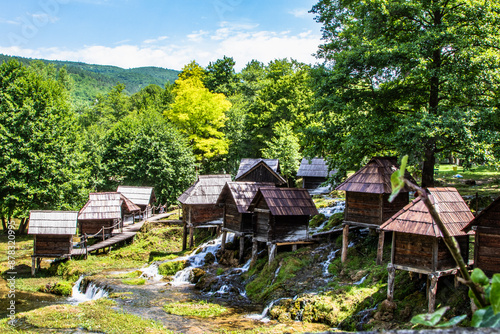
[486,318]
[452,322]
[479,277]
[429,319]
[495,296]
[477,318]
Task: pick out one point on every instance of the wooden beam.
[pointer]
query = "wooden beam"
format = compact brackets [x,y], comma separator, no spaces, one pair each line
[223,241]
[380,249]
[345,243]
[390,282]
[255,250]
[432,281]
[261,210]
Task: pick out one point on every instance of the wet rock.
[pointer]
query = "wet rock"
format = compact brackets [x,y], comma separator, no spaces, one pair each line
[209,258]
[385,311]
[228,258]
[196,274]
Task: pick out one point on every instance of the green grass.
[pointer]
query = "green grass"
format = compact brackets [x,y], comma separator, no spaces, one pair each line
[486,179]
[200,309]
[134,281]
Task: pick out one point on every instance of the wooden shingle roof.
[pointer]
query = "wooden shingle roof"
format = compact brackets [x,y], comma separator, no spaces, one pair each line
[106,205]
[414,218]
[374,177]
[285,201]
[247,164]
[53,222]
[138,195]
[488,215]
[205,190]
[242,193]
[315,167]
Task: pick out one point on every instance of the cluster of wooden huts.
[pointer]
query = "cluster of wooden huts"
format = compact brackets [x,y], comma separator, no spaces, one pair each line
[255,205]
[103,213]
[417,243]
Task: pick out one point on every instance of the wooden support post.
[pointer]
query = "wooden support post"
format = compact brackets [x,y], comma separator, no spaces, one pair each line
[38,262]
[184,237]
[345,243]
[255,250]
[33,266]
[223,241]
[191,236]
[380,249]
[272,250]
[432,281]
[294,247]
[242,249]
[390,282]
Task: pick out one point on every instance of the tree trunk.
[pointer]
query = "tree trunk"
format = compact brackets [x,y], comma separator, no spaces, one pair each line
[23,225]
[4,224]
[428,168]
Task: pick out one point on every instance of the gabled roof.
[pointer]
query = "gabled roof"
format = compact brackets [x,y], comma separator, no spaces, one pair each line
[415,218]
[242,193]
[53,222]
[247,165]
[492,212]
[138,195]
[315,167]
[106,205]
[205,190]
[374,177]
[285,201]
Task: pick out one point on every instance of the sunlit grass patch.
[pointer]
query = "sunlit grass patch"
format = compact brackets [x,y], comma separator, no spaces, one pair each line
[200,309]
[134,281]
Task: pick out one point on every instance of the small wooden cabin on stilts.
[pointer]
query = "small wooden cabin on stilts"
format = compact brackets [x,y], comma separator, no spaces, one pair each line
[199,203]
[367,199]
[417,242]
[281,218]
[53,235]
[235,198]
[487,238]
[260,170]
[104,212]
[143,197]
[313,172]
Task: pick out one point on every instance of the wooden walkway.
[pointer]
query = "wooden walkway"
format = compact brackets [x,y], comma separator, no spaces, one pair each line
[128,232]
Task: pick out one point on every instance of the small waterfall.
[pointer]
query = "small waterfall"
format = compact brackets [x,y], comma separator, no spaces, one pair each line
[197,259]
[339,206]
[361,281]
[151,273]
[263,316]
[329,260]
[92,292]
[276,274]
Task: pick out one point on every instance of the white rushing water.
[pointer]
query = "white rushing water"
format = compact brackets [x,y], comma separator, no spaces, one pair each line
[197,259]
[329,260]
[151,273]
[92,292]
[339,206]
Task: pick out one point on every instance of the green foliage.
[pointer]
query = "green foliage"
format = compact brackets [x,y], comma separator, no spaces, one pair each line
[171,267]
[433,319]
[63,288]
[134,281]
[200,309]
[397,179]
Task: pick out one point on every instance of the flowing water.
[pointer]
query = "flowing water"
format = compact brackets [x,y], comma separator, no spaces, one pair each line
[85,293]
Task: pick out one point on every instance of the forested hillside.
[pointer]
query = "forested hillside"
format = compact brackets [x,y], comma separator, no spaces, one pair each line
[91,80]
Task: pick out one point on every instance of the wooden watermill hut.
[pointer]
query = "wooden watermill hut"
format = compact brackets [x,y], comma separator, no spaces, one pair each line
[103,212]
[367,199]
[260,170]
[417,242]
[143,197]
[281,218]
[235,198]
[313,172]
[53,235]
[198,203]
[487,238]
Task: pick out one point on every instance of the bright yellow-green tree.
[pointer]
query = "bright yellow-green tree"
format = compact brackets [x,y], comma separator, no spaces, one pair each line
[199,114]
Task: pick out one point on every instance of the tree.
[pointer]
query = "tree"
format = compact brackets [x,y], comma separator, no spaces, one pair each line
[410,77]
[220,76]
[285,147]
[142,149]
[41,166]
[199,114]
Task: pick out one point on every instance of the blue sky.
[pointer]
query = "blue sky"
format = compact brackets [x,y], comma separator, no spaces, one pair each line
[164,33]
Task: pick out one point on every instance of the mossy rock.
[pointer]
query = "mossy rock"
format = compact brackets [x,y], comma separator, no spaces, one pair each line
[196,274]
[317,220]
[209,258]
[63,288]
[171,267]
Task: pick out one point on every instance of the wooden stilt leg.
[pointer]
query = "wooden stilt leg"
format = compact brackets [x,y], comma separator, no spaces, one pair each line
[191,236]
[38,262]
[294,248]
[255,250]
[380,249]
[33,266]
[184,237]
[433,279]
[345,243]
[242,249]
[390,282]
[223,241]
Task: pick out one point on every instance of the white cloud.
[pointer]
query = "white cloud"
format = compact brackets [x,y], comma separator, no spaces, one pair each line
[299,12]
[241,44]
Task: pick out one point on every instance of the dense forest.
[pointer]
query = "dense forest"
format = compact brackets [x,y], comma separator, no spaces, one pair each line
[416,78]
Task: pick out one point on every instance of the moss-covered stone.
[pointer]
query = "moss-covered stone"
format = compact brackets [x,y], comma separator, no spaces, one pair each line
[171,267]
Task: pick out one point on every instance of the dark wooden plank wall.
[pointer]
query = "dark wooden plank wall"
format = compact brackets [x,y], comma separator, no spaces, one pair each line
[363,208]
[232,219]
[392,208]
[93,226]
[445,259]
[309,182]
[53,244]
[202,213]
[413,250]
[286,227]
[259,174]
[487,250]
